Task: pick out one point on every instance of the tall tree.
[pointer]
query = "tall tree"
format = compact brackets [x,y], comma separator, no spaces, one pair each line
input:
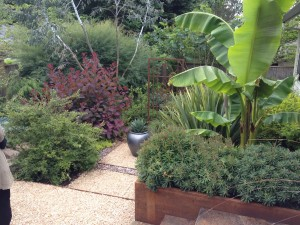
[143,13]
[173,8]
[226,9]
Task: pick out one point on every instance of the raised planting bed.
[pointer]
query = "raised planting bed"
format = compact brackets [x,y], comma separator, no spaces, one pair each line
[151,207]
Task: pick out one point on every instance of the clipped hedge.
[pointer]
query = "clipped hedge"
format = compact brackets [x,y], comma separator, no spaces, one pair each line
[261,173]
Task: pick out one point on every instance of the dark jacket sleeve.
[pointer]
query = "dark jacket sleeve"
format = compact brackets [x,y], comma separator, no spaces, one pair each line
[3,143]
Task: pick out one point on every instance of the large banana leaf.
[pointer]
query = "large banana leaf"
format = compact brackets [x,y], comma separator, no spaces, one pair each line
[284,117]
[269,92]
[285,5]
[212,77]
[220,34]
[212,118]
[280,91]
[257,40]
[234,106]
[220,52]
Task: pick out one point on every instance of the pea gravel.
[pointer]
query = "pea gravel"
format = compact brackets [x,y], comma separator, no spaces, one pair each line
[103,196]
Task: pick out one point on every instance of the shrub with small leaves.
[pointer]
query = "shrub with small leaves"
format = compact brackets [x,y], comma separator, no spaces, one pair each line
[102,99]
[173,158]
[156,126]
[269,175]
[54,147]
[260,173]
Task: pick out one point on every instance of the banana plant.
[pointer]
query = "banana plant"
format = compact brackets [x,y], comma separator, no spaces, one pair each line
[246,54]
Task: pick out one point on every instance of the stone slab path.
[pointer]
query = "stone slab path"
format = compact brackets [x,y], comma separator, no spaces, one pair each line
[103,196]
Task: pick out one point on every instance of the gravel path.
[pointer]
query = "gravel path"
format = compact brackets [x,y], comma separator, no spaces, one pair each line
[104,196]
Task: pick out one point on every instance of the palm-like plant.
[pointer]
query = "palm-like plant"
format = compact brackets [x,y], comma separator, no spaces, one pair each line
[138,126]
[194,98]
[246,54]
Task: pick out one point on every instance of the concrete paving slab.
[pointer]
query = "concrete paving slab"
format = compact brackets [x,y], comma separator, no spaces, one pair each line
[215,217]
[36,204]
[106,182]
[173,220]
[140,223]
[121,156]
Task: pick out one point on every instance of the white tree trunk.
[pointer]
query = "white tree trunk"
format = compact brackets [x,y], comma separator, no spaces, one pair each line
[82,26]
[297,83]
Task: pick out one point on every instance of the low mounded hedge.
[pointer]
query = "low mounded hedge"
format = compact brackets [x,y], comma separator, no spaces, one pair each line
[260,173]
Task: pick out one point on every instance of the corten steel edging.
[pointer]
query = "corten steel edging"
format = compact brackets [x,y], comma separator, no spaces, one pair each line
[151,207]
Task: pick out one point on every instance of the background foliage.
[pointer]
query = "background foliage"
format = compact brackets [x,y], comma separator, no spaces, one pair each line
[35,57]
[287,134]
[172,41]
[138,107]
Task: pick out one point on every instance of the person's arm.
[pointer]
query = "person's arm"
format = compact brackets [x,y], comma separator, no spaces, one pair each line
[3,140]
[3,143]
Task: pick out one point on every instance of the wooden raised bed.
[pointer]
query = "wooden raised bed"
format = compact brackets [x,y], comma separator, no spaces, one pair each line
[151,207]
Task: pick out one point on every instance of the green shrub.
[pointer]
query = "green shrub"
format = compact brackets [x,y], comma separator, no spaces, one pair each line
[262,173]
[5,48]
[156,126]
[33,58]
[21,86]
[180,43]
[55,147]
[173,158]
[286,134]
[269,175]
[102,36]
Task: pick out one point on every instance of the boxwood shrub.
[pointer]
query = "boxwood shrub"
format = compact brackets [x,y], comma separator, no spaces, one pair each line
[260,173]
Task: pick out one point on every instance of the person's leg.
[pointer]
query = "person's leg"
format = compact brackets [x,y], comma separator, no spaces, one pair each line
[5,210]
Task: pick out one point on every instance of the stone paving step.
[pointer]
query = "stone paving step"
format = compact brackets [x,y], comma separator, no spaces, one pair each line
[120,156]
[106,182]
[98,197]
[214,217]
[172,220]
[139,223]
[41,204]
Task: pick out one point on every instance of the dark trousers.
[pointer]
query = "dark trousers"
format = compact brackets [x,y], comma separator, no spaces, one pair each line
[5,210]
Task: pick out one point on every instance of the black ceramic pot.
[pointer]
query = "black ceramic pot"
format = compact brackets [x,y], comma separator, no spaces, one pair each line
[134,141]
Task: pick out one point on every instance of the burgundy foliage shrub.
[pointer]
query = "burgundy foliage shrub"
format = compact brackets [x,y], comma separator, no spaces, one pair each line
[102,99]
